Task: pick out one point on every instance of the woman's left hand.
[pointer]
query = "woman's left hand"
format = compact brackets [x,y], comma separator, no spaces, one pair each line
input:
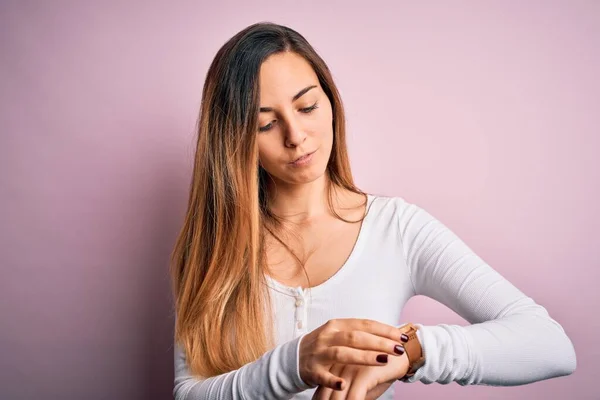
[364,382]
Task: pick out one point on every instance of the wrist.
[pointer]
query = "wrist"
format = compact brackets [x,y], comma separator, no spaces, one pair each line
[404,366]
[413,351]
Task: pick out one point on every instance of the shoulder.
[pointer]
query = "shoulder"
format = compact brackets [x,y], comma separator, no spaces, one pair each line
[399,209]
[386,203]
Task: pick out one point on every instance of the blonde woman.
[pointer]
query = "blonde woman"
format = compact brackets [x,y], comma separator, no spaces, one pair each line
[289,281]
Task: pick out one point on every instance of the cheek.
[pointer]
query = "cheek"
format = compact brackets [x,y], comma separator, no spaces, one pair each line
[266,154]
[326,123]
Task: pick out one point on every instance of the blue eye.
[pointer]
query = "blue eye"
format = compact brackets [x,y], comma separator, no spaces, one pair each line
[306,110]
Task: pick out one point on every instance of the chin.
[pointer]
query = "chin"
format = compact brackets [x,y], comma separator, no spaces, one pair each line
[306,176]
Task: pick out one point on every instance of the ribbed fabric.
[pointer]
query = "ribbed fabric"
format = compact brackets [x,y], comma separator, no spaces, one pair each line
[403,251]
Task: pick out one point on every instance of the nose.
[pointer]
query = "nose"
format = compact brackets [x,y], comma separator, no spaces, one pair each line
[294,134]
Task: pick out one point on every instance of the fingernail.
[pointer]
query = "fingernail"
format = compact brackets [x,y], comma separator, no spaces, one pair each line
[382,358]
[404,338]
[398,349]
[338,385]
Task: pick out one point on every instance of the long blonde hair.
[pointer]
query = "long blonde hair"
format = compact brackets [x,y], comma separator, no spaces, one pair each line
[222,302]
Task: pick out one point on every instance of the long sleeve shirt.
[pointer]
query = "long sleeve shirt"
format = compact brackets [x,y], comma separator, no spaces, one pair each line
[403,251]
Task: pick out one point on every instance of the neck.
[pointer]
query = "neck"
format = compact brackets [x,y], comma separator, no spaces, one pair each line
[301,203]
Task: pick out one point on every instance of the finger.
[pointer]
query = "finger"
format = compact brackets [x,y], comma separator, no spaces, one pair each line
[330,380]
[321,393]
[357,391]
[325,393]
[348,374]
[368,325]
[348,355]
[367,341]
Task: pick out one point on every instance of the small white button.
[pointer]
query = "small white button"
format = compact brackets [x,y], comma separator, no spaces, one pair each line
[299,324]
[299,303]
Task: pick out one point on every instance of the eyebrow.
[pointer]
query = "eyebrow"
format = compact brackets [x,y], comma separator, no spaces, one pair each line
[296,97]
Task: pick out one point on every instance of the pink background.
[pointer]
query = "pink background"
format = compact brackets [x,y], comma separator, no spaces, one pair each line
[483,113]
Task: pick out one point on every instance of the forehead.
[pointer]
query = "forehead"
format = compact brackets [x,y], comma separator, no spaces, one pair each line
[283,74]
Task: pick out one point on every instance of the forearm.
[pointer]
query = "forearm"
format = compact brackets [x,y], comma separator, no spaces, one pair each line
[273,376]
[511,339]
[516,349]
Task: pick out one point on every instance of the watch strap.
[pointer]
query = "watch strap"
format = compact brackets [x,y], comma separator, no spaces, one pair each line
[414,351]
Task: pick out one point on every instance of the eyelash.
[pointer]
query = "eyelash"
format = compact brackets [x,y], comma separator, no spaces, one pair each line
[306,110]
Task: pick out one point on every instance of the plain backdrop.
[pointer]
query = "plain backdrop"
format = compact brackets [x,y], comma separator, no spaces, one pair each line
[484,113]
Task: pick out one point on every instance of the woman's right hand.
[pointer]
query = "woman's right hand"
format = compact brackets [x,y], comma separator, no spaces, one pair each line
[345,341]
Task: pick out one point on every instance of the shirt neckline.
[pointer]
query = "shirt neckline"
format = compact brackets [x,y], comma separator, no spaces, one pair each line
[348,264]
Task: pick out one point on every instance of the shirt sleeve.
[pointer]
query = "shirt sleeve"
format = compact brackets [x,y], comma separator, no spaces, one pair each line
[511,340]
[274,376]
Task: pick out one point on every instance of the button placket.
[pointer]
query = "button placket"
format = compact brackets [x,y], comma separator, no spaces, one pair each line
[300,317]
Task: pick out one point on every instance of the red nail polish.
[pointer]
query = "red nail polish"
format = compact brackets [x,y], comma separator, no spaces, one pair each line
[382,358]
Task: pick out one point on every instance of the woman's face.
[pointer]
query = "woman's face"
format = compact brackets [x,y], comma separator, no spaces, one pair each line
[295,119]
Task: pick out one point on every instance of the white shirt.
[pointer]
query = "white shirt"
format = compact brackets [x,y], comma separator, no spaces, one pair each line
[403,251]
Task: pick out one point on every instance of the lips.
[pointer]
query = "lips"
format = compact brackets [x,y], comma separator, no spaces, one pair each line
[301,157]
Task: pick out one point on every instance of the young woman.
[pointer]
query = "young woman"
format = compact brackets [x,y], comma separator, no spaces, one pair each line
[289,281]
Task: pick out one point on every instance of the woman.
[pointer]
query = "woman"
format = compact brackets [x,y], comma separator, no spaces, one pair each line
[290,281]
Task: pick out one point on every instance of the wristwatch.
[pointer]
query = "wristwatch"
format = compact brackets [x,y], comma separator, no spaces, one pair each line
[413,350]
